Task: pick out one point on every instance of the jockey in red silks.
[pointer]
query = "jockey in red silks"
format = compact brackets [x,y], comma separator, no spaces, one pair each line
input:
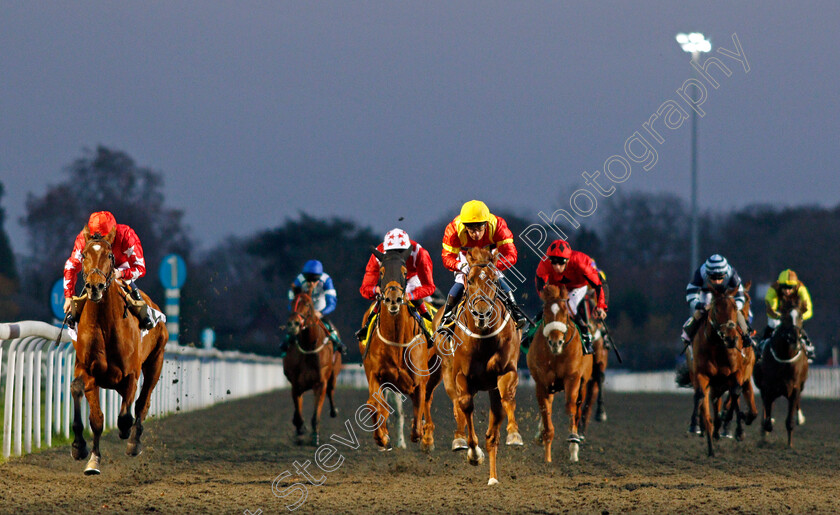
[563,266]
[129,264]
[419,280]
[477,227]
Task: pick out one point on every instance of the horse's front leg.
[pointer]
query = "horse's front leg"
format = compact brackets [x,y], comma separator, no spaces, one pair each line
[320,392]
[459,440]
[297,418]
[128,390]
[572,386]
[705,409]
[601,412]
[418,401]
[546,430]
[749,396]
[151,374]
[694,426]
[79,449]
[491,438]
[793,411]
[507,388]
[466,406]
[97,422]
[392,400]
[376,399]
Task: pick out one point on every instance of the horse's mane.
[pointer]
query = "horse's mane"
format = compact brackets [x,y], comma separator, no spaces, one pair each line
[480,256]
[552,293]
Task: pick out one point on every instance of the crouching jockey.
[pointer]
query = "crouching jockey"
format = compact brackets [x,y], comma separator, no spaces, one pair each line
[419,281]
[319,286]
[476,227]
[788,286]
[129,266]
[715,274]
[577,272]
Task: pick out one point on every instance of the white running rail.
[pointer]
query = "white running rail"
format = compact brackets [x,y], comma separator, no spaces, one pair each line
[36,376]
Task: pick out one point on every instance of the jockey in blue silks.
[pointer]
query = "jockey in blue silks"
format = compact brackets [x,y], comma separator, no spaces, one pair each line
[319,286]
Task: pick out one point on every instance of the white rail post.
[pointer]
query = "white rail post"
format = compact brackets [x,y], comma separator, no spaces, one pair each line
[10,389]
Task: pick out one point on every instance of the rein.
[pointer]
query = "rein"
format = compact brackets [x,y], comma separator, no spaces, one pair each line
[495,303]
[304,326]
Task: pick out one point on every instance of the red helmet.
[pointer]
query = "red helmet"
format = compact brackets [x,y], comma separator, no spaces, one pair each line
[559,248]
[101,222]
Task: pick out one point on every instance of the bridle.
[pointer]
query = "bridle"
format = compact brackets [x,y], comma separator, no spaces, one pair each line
[477,316]
[109,277]
[568,332]
[791,338]
[718,328]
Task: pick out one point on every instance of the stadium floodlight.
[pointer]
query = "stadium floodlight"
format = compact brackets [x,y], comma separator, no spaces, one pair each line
[694,43]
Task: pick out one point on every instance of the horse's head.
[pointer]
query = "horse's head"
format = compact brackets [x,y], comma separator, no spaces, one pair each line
[303,314]
[98,263]
[791,309]
[723,317]
[392,272]
[481,287]
[556,318]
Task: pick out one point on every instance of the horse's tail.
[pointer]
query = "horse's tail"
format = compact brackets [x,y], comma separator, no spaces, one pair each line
[683,375]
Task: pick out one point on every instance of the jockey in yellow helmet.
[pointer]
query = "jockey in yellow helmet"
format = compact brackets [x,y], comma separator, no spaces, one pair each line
[787,286]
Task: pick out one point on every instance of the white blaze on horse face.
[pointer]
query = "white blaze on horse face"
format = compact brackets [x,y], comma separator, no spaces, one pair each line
[793,315]
[96,247]
[555,308]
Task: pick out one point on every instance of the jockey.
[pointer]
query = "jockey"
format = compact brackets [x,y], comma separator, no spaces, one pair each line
[319,286]
[129,265]
[715,274]
[562,266]
[476,227]
[419,281]
[787,286]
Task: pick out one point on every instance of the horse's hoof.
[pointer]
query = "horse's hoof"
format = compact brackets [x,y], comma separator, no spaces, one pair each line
[601,416]
[401,443]
[333,412]
[514,439]
[133,449]
[695,429]
[739,434]
[800,418]
[385,448]
[475,457]
[427,448]
[459,444]
[574,447]
[79,454]
[492,481]
[316,440]
[574,438]
[92,468]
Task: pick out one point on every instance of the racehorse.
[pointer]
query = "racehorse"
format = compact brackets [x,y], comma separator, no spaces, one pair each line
[311,363]
[722,363]
[783,368]
[600,359]
[479,352]
[396,354]
[111,352]
[557,363]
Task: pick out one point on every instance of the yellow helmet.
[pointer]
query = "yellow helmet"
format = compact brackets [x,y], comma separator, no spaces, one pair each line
[788,277]
[474,211]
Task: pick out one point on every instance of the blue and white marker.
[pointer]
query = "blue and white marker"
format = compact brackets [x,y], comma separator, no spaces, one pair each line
[173,274]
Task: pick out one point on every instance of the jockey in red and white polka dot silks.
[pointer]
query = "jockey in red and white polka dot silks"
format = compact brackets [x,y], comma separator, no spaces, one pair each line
[419,280]
[128,253]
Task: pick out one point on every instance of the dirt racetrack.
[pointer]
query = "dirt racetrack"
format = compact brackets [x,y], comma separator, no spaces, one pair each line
[224,459]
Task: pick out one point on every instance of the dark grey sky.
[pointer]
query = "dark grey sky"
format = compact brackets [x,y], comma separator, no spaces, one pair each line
[375,110]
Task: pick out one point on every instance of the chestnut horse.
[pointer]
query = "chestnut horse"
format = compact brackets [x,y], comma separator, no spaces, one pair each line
[311,363]
[479,352]
[557,364]
[721,362]
[784,366]
[396,354]
[111,352]
[600,360]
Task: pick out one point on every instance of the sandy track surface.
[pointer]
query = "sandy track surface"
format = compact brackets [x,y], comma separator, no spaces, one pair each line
[224,459]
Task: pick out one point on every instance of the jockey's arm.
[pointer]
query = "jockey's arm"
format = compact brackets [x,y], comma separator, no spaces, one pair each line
[771,301]
[504,244]
[423,266]
[451,247]
[806,297]
[73,266]
[134,252]
[329,296]
[371,279]
[294,289]
[694,292]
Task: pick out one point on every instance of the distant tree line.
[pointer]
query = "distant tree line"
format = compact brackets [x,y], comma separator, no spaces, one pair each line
[239,287]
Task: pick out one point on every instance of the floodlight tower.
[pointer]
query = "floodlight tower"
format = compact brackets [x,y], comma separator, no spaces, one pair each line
[694,43]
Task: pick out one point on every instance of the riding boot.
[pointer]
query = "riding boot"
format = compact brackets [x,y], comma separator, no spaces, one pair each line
[284,344]
[420,307]
[430,342]
[140,309]
[690,329]
[449,310]
[586,339]
[809,347]
[332,334]
[75,314]
[515,310]
[361,334]
[528,336]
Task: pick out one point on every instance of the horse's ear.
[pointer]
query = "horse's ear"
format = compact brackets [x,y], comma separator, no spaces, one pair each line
[494,255]
[730,292]
[405,254]
[380,256]
[747,286]
[111,236]
[563,292]
[86,233]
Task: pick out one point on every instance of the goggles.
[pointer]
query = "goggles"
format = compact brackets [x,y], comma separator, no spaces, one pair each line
[558,260]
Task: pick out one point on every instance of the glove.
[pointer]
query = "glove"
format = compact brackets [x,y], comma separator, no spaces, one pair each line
[67,305]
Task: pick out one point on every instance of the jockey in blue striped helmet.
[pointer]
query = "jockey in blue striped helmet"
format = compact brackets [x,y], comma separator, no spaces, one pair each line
[319,286]
[715,274]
